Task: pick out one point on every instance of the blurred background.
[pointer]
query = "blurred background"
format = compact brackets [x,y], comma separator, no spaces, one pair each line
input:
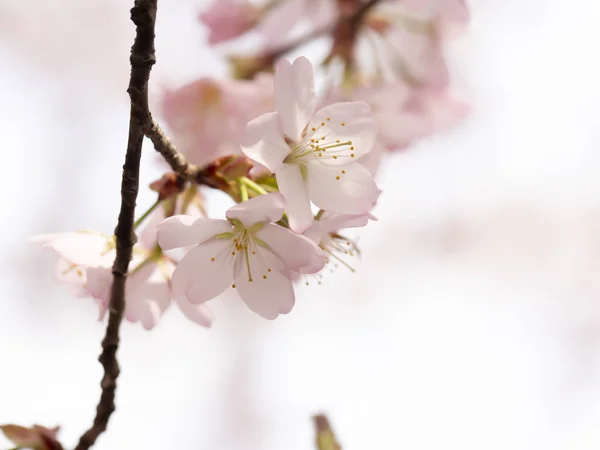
[472,323]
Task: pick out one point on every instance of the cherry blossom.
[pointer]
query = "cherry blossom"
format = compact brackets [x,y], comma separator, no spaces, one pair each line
[405,114]
[207,117]
[85,263]
[247,252]
[324,232]
[228,19]
[313,155]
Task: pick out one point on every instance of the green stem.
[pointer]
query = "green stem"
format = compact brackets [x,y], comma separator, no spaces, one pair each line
[252,185]
[243,190]
[138,222]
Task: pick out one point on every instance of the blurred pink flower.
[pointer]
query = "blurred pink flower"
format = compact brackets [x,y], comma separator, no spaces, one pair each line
[207,117]
[413,33]
[314,154]
[247,250]
[227,19]
[85,263]
[405,114]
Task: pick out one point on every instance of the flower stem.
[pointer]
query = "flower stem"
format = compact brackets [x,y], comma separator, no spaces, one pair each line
[243,190]
[252,185]
[144,216]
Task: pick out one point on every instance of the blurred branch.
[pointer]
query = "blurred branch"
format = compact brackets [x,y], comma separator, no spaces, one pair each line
[325,439]
[142,58]
[343,31]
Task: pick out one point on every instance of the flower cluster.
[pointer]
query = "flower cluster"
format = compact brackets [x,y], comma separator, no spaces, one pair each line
[299,166]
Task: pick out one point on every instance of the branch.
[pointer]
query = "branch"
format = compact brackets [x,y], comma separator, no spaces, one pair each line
[178,162]
[343,30]
[142,58]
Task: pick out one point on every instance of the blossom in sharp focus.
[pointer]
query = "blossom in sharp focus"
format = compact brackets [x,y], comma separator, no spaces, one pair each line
[207,117]
[314,155]
[228,19]
[247,252]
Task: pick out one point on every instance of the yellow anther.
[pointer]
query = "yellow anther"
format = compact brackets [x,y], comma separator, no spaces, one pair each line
[337,177]
[233,285]
[264,277]
[343,124]
[268,270]
[233,253]
[352,148]
[351,155]
[212,259]
[343,171]
[334,157]
[314,129]
[329,118]
[322,124]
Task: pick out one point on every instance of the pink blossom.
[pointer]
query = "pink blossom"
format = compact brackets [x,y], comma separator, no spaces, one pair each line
[404,115]
[228,19]
[247,252]
[414,33]
[85,263]
[207,117]
[314,155]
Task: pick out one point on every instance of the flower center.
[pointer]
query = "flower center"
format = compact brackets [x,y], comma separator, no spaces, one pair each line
[245,249]
[316,144]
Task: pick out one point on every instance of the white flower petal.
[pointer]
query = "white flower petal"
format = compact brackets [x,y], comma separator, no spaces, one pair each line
[199,314]
[264,142]
[350,123]
[270,293]
[291,185]
[183,231]
[295,251]
[198,271]
[147,296]
[262,209]
[348,189]
[295,97]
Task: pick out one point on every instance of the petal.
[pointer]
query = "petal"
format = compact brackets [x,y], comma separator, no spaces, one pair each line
[350,123]
[294,250]
[99,283]
[270,293]
[183,231]
[291,185]
[199,314]
[295,97]
[147,296]
[81,247]
[349,189]
[198,271]
[264,142]
[262,209]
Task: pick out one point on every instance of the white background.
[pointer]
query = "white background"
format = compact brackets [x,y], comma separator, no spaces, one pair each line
[473,321]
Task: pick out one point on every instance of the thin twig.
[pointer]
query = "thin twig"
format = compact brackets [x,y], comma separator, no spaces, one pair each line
[175,159]
[142,58]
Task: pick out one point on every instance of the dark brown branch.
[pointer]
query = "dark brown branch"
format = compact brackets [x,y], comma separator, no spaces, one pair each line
[142,58]
[178,162]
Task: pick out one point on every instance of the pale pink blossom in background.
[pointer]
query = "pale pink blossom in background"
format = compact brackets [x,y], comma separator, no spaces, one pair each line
[228,19]
[313,155]
[207,117]
[85,264]
[404,114]
[247,252]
